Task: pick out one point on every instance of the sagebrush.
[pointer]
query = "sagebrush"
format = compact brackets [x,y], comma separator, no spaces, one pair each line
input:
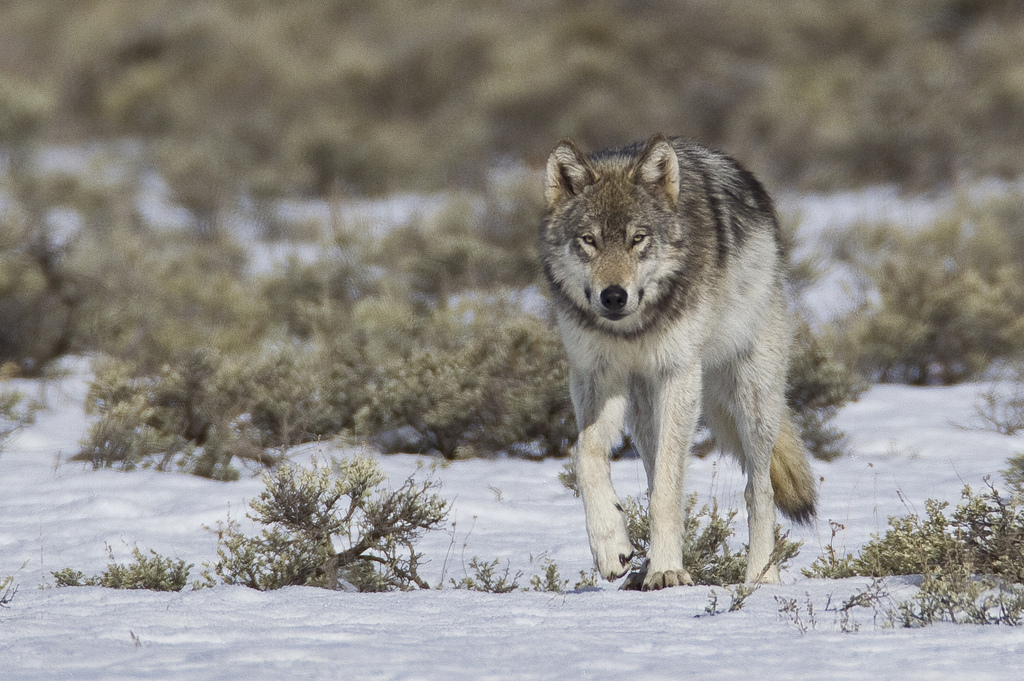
[940,303]
[983,535]
[334,526]
[153,572]
[707,554]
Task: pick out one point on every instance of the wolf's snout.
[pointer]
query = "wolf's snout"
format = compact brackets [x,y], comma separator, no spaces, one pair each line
[614,298]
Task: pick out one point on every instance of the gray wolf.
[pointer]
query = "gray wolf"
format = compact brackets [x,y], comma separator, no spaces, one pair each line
[667,273]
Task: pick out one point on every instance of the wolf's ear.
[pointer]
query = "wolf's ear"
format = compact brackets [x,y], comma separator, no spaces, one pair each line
[658,166]
[568,173]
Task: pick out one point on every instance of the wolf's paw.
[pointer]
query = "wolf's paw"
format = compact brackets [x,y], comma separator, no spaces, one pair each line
[614,561]
[663,580]
[611,547]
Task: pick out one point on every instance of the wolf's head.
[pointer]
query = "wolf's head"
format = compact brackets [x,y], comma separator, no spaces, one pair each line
[611,241]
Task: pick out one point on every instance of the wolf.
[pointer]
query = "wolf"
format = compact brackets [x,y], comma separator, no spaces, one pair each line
[666,269]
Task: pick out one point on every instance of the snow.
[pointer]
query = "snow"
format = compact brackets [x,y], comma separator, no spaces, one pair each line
[907,445]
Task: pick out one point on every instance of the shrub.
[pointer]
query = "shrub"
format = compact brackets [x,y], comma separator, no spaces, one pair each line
[487,578]
[478,377]
[479,242]
[819,385]
[179,417]
[81,270]
[1002,410]
[832,564]
[205,409]
[911,545]
[153,572]
[164,296]
[41,294]
[14,413]
[940,303]
[486,378]
[422,98]
[1015,477]
[954,595]
[971,564]
[305,511]
[983,536]
[707,555]
[304,297]
[6,593]
[551,581]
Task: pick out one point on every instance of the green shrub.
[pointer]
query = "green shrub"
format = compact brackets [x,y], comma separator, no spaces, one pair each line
[911,545]
[164,296]
[1002,410]
[100,279]
[305,511]
[124,436]
[41,294]
[489,578]
[971,563]
[480,242]
[551,581]
[154,572]
[204,409]
[832,563]
[476,378]
[302,297]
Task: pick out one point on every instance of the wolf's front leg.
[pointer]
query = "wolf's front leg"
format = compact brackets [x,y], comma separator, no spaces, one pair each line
[600,417]
[665,443]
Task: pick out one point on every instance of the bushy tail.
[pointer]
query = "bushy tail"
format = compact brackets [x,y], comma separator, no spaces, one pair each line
[796,494]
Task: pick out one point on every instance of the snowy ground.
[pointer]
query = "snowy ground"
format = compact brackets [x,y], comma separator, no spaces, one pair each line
[906,447]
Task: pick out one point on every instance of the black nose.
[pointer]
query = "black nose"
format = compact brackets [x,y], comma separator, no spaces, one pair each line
[614,298]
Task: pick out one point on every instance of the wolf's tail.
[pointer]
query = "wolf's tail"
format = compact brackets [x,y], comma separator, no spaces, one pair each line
[796,494]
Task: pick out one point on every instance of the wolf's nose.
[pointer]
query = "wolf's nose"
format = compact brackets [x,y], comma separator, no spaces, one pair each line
[614,298]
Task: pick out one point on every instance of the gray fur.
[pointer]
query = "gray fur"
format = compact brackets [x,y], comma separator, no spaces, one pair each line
[666,269]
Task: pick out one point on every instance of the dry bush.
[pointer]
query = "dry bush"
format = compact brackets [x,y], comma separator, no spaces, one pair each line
[304,511]
[154,572]
[982,537]
[819,384]
[477,242]
[940,303]
[82,271]
[707,555]
[475,378]
[322,97]
[203,410]
[41,293]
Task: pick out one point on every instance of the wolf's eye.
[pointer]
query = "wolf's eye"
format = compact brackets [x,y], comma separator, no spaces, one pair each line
[588,239]
[639,239]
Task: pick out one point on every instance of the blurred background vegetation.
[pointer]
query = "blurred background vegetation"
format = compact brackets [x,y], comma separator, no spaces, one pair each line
[154,152]
[318,96]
